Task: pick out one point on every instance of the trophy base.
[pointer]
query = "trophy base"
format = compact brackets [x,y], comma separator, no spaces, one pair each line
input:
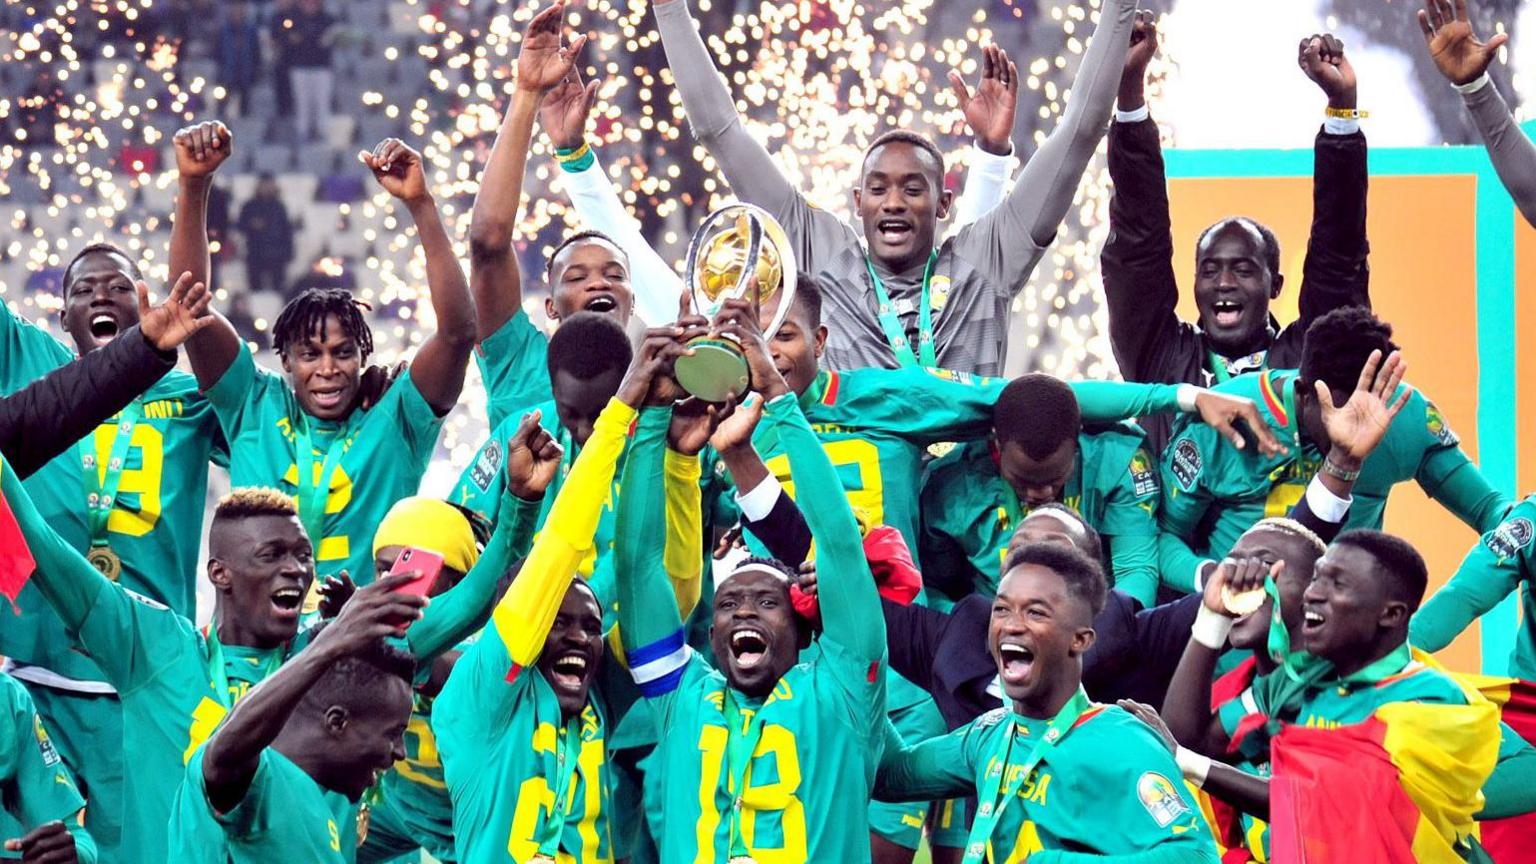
[714,371]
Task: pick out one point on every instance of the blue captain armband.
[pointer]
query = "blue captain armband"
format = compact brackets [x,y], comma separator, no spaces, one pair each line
[658,667]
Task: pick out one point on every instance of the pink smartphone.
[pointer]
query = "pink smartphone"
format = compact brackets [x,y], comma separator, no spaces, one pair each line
[429,564]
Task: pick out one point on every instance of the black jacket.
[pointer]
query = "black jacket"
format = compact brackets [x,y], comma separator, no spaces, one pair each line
[48,416]
[1150,343]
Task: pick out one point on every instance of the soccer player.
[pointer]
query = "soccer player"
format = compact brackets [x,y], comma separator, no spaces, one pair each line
[1464,60]
[1237,261]
[177,682]
[1213,493]
[1039,452]
[309,435]
[1057,777]
[36,788]
[765,756]
[130,496]
[520,729]
[279,778]
[894,296]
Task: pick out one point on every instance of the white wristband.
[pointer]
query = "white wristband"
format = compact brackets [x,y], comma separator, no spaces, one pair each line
[1473,86]
[1340,126]
[1186,396]
[1210,628]
[1135,115]
[1194,767]
[1324,504]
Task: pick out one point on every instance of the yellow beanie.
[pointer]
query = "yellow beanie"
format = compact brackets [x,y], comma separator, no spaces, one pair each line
[430,524]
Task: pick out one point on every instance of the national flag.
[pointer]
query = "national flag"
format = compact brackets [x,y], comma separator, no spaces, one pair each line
[1400,787]
[16,561]
[1509,840]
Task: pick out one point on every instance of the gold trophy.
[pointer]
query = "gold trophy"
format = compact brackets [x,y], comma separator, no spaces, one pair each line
[733,242]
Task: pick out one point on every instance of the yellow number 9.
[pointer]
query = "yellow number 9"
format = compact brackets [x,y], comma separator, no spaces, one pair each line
[143,481]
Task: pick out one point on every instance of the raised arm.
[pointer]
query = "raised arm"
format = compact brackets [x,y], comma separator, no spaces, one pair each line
[1187,706]
[234,752]
[1464,61]
[1491,570]
[200,150]
[989,114]
[1335,272]
[1140,289]
[444,356]
[1040,198]
[565,115]
[1231,416]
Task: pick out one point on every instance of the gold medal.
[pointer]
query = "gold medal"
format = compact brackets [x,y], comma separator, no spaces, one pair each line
[362,824]
[105,561]
[1245,603]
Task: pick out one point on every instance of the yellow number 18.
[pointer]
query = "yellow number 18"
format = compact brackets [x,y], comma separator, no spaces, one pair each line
[776,797]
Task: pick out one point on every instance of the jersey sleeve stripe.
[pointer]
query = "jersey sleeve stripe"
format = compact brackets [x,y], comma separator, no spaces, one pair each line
[658,667]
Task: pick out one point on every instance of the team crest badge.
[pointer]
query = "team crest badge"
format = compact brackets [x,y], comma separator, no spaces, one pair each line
[1186,463]
[1510,537]
[487,465]
[1143,478]
[45,746]
[1437,426]
[938,292]
[1160,798]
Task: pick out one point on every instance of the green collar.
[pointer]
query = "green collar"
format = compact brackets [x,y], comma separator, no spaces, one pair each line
[1396,661]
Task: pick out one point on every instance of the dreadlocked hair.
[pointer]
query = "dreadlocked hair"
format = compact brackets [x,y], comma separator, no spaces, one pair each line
[1292,528]
[304,318]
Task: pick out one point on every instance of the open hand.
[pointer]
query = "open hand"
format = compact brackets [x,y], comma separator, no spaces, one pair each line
[335,591]
[169,325]
[990,110]
[533,457]
[543,61]
[1357,426]
[566,110]
[202,147]
[1457,53]
[398,169]
[1148,715]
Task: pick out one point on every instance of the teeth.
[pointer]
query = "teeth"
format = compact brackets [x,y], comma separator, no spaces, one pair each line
[103,319]
[1010,648]
[1312,618]
[741,636]
[571,662]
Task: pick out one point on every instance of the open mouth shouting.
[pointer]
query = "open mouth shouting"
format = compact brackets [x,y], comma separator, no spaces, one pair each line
[1014,662]
[328,398]
[749,647]
[104,327]
[602,302]
[286,602]
[1227,313]
[894,232]
[569,671]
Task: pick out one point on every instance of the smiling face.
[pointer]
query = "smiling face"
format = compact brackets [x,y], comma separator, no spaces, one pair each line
[1037,637]
[590,275]
[1346,607]
[1233,287]
[754,634]
[1037,481]
[99,300]
[325,371]
[1251,632]
[262,568]
[573,649]
[900,200]
[797,345]
[372,739]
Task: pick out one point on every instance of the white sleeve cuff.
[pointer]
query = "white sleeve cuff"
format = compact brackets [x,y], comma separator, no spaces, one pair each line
[1200,573]
[1135,115]
[1324,504]
[1187,393]
[1340,125]
[992,163]
[1194,766]
[1473,86]
[758,503]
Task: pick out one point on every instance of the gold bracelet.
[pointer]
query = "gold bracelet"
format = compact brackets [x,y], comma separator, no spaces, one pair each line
[1346,113]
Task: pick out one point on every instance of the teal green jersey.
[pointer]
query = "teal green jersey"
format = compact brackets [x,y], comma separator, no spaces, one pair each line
[515,368]
[1108,787]
[1334,701]
[285,816]
[970,512]
[157,511]
[384,453]
[35,786]
[1213,492]
[1503,560]
[521,779]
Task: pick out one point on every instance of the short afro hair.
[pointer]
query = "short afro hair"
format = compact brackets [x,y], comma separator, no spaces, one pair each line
[304,319]
[1091,536]
[1271,245]
[588,345]
[1338,344]
[354,680]
[248,501]
[102,248]
[1084,575]
[807,297]
[1038,413]
[581,237]
[916,139]
[1402,568]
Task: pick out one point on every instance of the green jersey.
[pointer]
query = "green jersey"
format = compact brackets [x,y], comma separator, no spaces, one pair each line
[1497,565]
[515,368]
[375,458]
[1107,787]
[285,816]
[782,777]
[35,785]
[970,512]
[161,483]
[1213,492]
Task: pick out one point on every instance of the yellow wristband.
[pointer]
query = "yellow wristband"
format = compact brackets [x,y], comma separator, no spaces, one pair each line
[1347,113]
[574,155]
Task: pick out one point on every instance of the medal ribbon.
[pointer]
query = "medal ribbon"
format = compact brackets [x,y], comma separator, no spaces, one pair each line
[740,742]
[218,674]
[101,485]
[567,751]
[890,321]
[312,495]
[995,794]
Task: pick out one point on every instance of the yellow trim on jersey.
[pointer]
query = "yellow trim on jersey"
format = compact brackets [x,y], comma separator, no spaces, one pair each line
[681,554]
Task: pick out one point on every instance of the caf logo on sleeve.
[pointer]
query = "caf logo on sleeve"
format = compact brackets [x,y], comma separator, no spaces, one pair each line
[1186,463]
[1160,798]
[45,746]
[1143,478]
[487,465]
[1510,537]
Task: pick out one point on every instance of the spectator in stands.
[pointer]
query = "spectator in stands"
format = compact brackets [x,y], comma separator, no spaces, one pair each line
[238,51]
[268,238]
[219,232]
[310,33]
[282,65]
